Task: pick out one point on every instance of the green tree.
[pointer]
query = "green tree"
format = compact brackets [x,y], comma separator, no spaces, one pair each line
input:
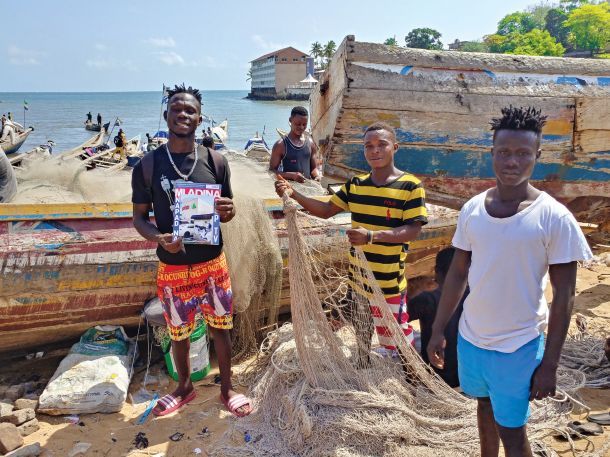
[328,51]
[424,38]
[474,46]
[555,24]
[391,41]
[316,50]
[590,27]
[498,43]
[536,43]
[249,75]
[518,22]
[538,13]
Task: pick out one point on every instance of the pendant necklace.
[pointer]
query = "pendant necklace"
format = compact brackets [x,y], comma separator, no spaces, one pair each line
[182,175]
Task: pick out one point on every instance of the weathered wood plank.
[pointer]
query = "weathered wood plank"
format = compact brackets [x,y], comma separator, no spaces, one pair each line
[447,130]
[591,141]
[379,53]
[463,103]
[593,114]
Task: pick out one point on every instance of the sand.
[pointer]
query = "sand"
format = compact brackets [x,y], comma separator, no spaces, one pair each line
[113,434]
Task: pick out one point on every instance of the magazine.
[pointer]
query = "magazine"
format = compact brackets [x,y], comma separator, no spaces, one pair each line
[195,219]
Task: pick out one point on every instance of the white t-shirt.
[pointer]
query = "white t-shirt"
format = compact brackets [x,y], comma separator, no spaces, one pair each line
[506,307]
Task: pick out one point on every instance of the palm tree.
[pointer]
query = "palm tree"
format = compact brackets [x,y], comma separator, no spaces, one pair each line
[249,75]
[316,50]
[329,50]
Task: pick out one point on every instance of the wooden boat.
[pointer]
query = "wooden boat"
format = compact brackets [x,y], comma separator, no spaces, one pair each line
[12,143]
[82,150]
[93,127]
[44,150]
[106,159]
[256,148]
[441,103]
[66,267]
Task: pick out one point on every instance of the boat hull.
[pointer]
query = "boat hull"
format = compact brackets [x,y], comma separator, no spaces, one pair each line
[441,103]
[65,268]
[11,148]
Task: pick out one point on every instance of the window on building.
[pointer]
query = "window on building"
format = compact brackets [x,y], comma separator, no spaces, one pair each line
[295,59]
[284,59]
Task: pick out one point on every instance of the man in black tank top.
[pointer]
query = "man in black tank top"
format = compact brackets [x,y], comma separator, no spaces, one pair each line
[294,156]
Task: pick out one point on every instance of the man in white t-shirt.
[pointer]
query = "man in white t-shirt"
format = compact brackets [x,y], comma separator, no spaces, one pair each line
[507,239]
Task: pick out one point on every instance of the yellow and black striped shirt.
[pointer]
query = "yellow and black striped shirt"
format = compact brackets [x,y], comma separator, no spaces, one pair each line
[392,205]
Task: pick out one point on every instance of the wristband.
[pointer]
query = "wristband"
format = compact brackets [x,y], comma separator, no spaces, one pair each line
[369,237]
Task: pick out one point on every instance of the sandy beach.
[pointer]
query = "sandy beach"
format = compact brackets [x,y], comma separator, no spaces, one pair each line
[113,434]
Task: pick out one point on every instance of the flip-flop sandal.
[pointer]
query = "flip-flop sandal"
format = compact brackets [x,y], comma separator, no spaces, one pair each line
[586,428]
[600,418]
[171,403]
[236,402]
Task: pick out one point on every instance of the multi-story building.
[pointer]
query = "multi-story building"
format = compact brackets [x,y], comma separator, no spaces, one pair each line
[272,73]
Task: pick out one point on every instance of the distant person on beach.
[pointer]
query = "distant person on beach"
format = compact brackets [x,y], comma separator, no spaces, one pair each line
[208,142]
[294,156]
[423,307]
[120,141]
[10,116]
[506,241]
[185,270]
[400,198]
[99,119]
[89,118]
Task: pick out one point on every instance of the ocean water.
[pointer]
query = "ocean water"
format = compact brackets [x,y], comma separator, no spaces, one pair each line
[60,116]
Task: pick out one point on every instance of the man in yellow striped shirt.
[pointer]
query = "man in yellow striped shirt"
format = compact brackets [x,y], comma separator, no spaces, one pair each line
[388,210]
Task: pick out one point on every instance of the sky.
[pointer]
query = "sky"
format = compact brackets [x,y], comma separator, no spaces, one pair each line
[112,45]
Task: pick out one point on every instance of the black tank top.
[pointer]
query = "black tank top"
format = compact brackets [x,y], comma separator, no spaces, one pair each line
[297,159]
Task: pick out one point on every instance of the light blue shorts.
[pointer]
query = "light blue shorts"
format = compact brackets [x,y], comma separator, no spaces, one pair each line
[503,377]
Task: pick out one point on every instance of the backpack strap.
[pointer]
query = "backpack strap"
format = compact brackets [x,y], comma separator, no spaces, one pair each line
[148,166]
[218,164]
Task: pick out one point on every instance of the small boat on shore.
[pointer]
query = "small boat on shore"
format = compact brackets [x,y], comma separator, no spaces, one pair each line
[44,150]
[256,148]
[67,267]
[441,103]
[110,158]
[86,148]
[15,139]
[93,127]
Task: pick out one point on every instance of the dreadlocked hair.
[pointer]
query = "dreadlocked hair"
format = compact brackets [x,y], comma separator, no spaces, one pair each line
[519,119]
[182,89]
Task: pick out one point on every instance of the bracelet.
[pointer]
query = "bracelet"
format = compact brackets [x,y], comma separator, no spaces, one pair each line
[369,237]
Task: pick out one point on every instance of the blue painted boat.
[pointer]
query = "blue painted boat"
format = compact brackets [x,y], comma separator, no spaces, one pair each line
[441,103]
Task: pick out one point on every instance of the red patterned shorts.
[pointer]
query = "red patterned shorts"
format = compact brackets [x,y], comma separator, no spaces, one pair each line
[184,289]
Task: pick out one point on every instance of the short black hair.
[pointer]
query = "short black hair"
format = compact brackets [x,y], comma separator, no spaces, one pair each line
[376,126]
[299,111]
[443,260]
[182,89]
[513,118]
[208,142]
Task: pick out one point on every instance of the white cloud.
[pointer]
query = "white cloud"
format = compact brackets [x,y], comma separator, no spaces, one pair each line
[99,63]
[100,47]
[206,62]
[170,58]
[168,42]
[265,45]
[20,56]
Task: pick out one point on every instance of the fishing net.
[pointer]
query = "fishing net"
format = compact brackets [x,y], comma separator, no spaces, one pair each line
[255,263]
[583,351]
[321,388]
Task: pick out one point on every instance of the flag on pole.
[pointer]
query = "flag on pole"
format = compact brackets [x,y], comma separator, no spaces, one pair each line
[165,97]
[25,105]
[118,122]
